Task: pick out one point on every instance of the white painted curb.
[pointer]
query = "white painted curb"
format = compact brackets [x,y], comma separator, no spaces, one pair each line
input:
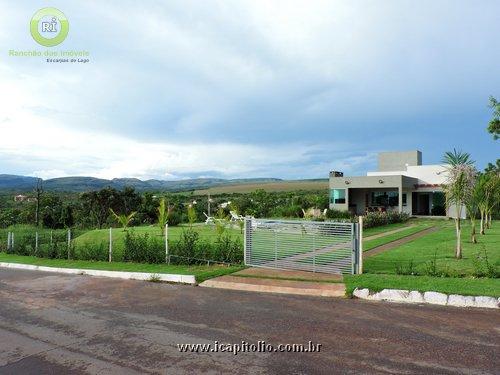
[434,298]
[173,278]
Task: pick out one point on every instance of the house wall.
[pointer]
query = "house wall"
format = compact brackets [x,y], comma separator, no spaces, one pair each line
[397,161]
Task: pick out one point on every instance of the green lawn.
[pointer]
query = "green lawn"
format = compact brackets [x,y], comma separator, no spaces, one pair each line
[370,244]
[201,272]
[440,245]
[385,228]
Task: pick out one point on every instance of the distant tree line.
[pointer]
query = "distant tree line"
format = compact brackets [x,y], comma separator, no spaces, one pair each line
[102,208]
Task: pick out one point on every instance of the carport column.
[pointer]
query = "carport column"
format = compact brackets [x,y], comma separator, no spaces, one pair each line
[400,199]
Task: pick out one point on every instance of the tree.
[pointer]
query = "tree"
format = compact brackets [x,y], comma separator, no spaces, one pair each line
[192,217]
[123,219]
[458,188]
[494,124]
[472,207]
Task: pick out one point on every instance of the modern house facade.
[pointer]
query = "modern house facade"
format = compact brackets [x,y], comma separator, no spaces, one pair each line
[401,184]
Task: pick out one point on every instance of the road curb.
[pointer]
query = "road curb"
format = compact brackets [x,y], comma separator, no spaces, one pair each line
[167,277]
[434,298]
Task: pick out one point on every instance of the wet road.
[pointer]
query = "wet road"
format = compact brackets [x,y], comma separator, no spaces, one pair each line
[53,324]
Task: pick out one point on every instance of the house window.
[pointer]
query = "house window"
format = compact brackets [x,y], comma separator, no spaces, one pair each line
[404,199]
[385,198]
[337,196]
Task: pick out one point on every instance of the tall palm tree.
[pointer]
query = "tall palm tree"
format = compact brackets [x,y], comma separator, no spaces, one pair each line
[458,188]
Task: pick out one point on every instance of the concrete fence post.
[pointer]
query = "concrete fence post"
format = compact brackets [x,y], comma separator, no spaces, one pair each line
[12,241]
[8,241]
[360,246]
[69,244]
[110,253]
[36,243]
[167,257]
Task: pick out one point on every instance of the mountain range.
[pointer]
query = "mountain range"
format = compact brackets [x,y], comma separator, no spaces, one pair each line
[80,184]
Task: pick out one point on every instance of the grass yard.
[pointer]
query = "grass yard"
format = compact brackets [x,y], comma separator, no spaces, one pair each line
[440,246]
[448,285]
[201,272]
[370,244]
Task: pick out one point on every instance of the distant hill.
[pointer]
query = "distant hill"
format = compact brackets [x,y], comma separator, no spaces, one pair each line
[81,184]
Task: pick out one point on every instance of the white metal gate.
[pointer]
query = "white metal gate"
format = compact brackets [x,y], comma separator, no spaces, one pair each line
[327,247]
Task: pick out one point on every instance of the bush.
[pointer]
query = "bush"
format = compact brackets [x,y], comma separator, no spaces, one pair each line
[174,218]
[228,250]
[189,249]
[337,214]
[98,252]
[145,249]
[376,219]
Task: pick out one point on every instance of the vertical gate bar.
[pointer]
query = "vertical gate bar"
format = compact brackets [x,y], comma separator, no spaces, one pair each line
[314,252]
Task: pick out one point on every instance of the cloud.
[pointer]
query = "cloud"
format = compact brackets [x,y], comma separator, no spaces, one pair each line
[278,88]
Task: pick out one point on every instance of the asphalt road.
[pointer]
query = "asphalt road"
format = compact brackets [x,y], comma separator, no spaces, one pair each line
[56,324]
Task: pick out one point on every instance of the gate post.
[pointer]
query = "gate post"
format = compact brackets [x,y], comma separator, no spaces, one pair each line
[247,240]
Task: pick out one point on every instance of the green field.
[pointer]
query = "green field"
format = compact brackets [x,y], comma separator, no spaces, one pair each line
[201,272]
[275,186]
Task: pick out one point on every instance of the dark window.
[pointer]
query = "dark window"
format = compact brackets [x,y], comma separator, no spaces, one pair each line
[337,196]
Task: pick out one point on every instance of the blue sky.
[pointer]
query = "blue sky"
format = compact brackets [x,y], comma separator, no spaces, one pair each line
[289,89]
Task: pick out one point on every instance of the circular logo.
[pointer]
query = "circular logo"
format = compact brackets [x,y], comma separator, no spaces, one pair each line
[49,27]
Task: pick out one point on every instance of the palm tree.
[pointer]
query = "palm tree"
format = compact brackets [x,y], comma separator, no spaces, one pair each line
[458,188]
[123,219]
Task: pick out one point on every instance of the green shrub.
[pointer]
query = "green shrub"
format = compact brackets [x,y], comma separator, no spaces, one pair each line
[174,218]
[228,250]
[145,249]
[89,251]
[337,214]
[376,219]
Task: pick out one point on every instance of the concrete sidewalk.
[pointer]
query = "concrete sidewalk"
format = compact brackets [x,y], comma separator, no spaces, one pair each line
[280,281]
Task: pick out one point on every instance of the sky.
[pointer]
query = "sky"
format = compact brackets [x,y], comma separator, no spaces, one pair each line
[236,89]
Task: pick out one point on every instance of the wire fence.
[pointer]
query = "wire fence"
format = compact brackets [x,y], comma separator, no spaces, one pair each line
[131,247]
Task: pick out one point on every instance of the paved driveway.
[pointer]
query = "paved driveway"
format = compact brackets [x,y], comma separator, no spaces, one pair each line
[61,323]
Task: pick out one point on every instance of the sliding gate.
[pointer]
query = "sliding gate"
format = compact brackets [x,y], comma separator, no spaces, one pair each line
[302,245]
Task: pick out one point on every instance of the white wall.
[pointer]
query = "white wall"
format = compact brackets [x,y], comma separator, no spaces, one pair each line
[426,174]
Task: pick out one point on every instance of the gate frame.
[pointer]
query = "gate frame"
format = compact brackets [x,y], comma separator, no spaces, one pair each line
[356,241]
